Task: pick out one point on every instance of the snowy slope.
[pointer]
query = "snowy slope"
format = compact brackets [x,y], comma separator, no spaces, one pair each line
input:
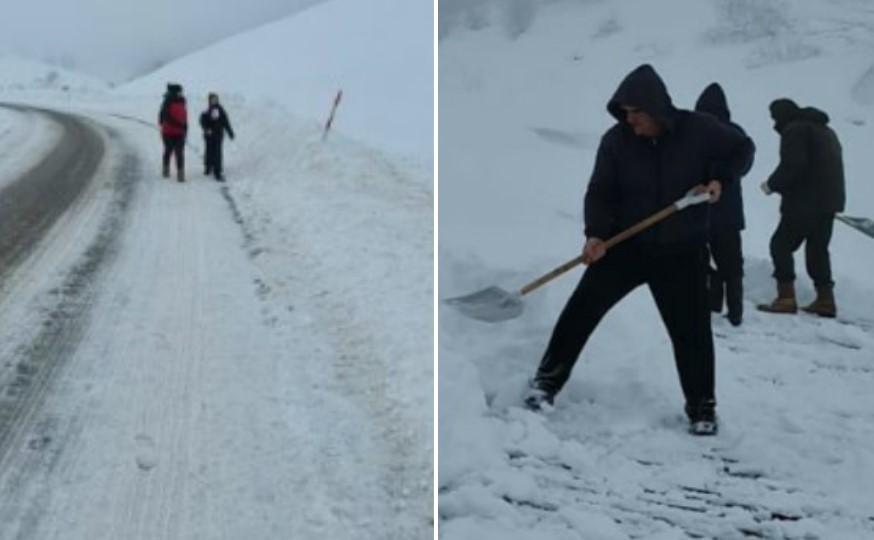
[378,52]
[523,90]
[21,74]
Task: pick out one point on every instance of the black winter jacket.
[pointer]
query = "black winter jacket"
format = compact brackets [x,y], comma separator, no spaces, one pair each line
[636,176]
[810,176]
[727,214]
[215,122]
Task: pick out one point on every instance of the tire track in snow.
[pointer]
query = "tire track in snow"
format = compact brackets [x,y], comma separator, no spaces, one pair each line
[38,362]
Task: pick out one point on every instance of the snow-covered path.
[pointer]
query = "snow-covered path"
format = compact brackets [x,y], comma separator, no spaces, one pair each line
[192,398]
[613,459]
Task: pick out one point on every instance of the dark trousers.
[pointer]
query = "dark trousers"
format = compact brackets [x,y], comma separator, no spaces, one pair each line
[678,283]
[212,159]
[176,146]
[815,231]
[727,279]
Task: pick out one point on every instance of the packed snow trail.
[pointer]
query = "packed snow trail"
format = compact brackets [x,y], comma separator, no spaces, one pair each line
[185,403]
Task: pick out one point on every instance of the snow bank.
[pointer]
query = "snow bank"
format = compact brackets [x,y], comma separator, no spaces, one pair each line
[24,139]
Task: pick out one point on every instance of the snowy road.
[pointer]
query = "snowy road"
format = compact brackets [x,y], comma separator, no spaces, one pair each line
[32,203]
[151,389]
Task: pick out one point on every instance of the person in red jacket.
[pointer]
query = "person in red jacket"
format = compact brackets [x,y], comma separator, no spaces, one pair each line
[173,119]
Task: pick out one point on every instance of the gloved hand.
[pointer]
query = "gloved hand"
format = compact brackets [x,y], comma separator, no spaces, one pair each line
[766,189]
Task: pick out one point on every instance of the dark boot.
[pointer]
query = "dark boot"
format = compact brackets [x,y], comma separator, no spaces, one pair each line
[702,417]
[824,305]
[734,299]
[180,175]
[785,301]
[537,399]
[166,171]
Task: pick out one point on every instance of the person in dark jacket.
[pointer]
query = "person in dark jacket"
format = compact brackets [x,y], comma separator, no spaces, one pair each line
[726,222]
[654,155]
[810,179]
[214,121]
[173,119]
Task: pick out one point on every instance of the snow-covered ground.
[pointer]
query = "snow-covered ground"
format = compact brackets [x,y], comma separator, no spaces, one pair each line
[251,359]
[522,96]
[23,140]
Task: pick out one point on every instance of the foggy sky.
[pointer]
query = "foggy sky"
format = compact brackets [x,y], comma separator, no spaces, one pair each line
[120,39]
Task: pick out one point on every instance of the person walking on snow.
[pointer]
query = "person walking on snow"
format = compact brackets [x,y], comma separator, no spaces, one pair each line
[214,121]
[173,119]
[653,155]
[810,180]
[726,223]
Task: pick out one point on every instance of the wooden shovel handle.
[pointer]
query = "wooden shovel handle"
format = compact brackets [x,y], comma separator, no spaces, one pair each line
[612,241]
[640,225]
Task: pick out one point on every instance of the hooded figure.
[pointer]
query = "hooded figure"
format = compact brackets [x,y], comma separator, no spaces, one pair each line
[726,222]
[653,155]
[173,120]
[810,180]
[214,122]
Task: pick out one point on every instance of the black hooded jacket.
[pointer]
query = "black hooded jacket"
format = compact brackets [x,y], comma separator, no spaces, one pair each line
[215,122]
[727,214]
[636,176]
[810,176]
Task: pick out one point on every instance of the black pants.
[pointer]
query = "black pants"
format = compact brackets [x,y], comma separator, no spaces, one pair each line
[678,283]
[727,279]
[212,159]
[174,145]
[815,231]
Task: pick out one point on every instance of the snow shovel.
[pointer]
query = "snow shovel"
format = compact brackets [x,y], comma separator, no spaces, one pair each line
[863,225]
[494,304]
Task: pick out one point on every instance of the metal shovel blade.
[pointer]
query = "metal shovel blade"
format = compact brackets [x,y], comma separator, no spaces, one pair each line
[492,304]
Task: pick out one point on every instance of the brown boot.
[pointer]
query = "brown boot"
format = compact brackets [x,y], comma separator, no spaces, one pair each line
[785,301]
[824,305]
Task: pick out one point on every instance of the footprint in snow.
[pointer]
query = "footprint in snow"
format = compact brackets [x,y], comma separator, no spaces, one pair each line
[147,455]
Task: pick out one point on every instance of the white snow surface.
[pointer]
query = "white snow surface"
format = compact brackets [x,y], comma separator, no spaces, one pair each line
[522,101]
[23,74]
[250,360]
[379,53]
[24,137]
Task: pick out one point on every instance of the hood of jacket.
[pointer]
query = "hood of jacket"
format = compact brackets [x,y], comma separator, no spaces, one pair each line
[712,101]
[645,90]
[784,111]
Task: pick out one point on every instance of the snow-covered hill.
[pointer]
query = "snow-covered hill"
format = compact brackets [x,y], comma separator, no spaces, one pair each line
[22,75]
[378,52]
[522,96]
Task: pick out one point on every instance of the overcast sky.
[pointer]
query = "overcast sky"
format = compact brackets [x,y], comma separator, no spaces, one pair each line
[120,39]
